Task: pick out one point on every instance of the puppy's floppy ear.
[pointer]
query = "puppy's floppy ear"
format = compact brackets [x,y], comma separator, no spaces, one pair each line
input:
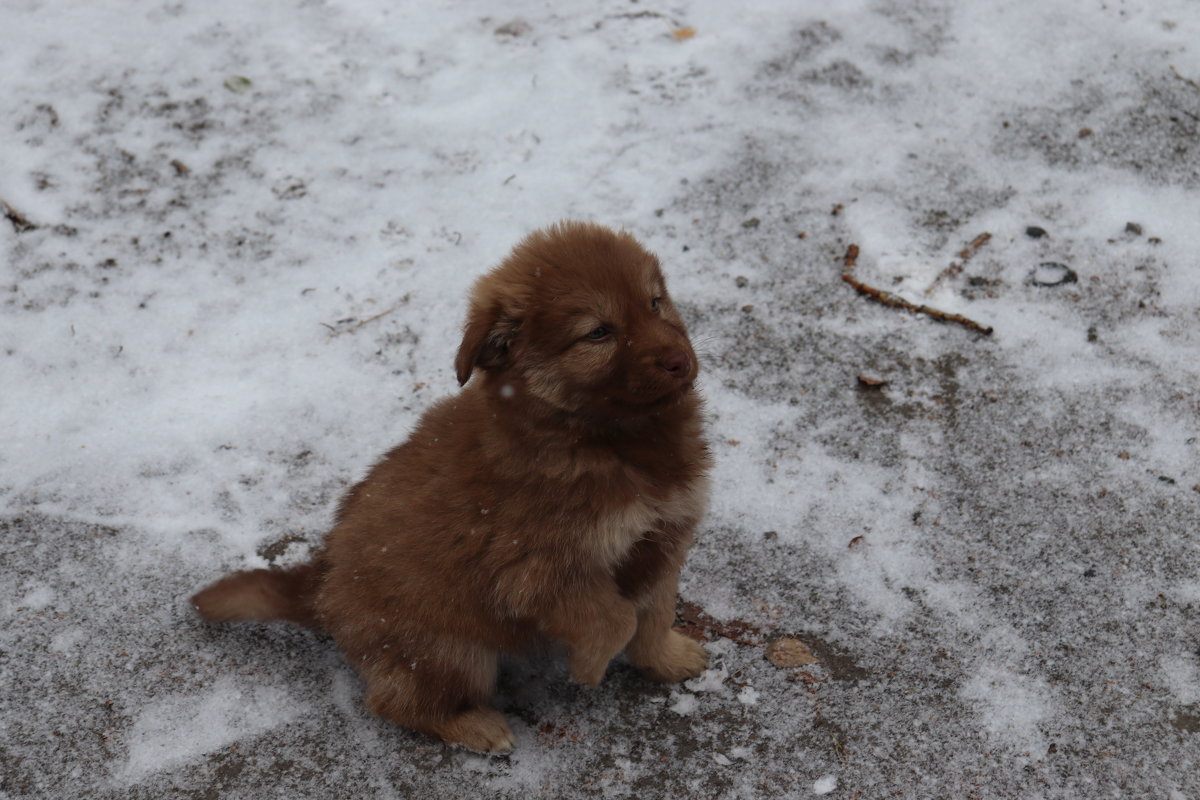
[486,337]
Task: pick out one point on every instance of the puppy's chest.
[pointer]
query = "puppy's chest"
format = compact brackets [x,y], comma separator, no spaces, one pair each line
[613,534]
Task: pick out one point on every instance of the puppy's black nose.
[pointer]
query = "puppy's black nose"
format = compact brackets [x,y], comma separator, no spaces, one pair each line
[678,364]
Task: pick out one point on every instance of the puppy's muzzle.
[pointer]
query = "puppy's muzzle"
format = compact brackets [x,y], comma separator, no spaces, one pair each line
[678,365]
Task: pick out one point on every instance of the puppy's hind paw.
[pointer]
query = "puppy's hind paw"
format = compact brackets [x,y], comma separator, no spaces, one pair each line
[483,730]
[677,657]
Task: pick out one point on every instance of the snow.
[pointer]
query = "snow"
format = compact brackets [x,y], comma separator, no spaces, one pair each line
[234,299]
[1183,677]
[825,785]
[176,729]
[1011,707]
[684,703]
[711,680]
[748,696]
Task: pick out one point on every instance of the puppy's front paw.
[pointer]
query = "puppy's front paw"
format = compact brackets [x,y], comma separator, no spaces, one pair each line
[483,730]
[676,658]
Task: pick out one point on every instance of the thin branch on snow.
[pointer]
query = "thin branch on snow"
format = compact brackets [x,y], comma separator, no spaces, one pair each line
[335,332]
[19,221]
[957,266]
[895,301]
[1186,80]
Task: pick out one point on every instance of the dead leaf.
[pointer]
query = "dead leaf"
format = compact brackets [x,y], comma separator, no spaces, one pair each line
[868,382]
[788,652]
[681,34]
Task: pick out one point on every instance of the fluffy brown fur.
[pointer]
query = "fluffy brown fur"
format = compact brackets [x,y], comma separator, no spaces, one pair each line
[554,497]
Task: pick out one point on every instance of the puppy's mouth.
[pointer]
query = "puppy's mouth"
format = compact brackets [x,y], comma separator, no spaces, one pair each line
[656,391]
[671,375]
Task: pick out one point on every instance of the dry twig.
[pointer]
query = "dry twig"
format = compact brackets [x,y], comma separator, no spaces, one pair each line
[19,221]
[359,324]
[1186,80]
[957,266]
[895,301]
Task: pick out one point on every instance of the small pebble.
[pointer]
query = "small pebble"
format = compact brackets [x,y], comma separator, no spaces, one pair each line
[1034,232]
[753,222]
[742,281]
[1134,228]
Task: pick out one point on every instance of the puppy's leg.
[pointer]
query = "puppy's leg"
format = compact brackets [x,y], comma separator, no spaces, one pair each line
[595,631]
[658,650]
[585,612]
[442,690]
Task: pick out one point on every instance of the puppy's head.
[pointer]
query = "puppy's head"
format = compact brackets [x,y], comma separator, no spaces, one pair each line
[579,317]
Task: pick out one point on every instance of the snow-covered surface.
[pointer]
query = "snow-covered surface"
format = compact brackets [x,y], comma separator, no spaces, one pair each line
[825,785]
[237,294]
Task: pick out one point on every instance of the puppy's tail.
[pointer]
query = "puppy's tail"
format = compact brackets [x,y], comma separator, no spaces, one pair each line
[263,595]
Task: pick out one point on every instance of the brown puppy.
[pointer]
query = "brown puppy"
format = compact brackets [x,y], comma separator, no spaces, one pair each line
[555,496]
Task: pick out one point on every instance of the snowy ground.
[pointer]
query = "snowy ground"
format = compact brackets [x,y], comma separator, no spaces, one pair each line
[237,243]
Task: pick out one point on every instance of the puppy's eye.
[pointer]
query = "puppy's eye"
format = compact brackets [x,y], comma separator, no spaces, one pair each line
[655,302]
[599,333]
